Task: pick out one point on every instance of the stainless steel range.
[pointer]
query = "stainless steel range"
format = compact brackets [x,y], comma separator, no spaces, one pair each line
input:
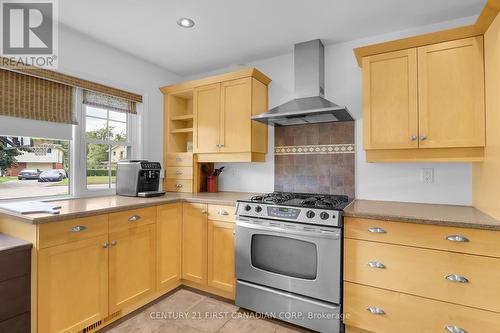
[289,258]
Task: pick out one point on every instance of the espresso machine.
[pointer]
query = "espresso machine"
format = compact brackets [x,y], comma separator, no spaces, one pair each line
[138,178]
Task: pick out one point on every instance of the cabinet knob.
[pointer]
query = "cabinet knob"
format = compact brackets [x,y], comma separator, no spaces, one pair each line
[455,329]
[375,310]
[423,137]
[413,138]
[78,228]
[134,218]
[178,172]
[377,230]
[221,146]
[203,211]
[105,245]
[114,242]
[457,238]
[376,264]
[178,185]
[217,145]
[457,278]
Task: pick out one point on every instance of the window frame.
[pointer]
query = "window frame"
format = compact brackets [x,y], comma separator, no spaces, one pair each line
[81,141]
[77,150]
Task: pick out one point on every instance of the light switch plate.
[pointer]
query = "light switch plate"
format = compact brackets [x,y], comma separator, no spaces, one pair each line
[428,175]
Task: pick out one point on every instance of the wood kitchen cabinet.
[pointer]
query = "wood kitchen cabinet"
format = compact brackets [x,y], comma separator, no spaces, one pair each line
[208,116]
[451,94]
[213,116]
[169,246]
[72,285]
[390,100]
[194,243]
[221,273]
[425,103]
[132,265]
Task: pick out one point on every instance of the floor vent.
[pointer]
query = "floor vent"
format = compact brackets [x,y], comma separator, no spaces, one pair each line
[98,324]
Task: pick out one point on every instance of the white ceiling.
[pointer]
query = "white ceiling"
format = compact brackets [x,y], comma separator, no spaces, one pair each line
[237,31]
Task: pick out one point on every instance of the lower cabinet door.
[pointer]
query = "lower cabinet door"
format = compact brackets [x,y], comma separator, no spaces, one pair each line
[168,235]
[72,285]
[132,266]
[221,255]
[194,243]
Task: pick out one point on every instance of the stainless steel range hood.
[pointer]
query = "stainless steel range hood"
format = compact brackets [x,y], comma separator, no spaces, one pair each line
[309,105]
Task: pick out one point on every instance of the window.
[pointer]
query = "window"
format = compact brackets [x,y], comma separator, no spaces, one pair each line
[30,167]
[107,134]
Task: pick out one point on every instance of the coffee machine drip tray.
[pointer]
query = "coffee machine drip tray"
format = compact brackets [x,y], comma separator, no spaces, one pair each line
[150,194]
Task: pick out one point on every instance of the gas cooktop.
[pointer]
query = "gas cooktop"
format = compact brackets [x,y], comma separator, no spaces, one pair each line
[305,200]
[319,209]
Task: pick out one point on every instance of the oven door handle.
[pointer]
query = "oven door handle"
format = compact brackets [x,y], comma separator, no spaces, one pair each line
[320,233]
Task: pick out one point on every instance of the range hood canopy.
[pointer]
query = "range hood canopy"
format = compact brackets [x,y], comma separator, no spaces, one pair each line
[309,105]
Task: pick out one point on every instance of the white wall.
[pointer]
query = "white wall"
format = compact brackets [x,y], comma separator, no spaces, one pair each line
[86,58]
[391,181]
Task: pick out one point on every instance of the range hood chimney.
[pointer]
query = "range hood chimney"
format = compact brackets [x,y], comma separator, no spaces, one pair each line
[309,105]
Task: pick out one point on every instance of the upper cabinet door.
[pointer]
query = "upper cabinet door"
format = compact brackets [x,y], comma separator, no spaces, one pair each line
[390,100]
[451,94]
[207,118]
[236,110]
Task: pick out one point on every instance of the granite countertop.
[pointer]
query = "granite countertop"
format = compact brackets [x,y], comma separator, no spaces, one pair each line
[75,208]
[11,244]
[445,215]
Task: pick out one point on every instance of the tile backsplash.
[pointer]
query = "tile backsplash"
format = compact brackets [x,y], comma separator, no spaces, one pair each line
[315,158]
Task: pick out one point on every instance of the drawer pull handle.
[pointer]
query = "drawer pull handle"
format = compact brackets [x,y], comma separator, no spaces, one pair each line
[178,185]
[178,172]
[134,218]
[178,158]
[455,329]
[375,310]
[78,228]
[376,264]
[457,278]
[223,213]
[457,238]
[377,230]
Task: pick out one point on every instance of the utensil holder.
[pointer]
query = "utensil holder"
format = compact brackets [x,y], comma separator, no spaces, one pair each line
[212,184]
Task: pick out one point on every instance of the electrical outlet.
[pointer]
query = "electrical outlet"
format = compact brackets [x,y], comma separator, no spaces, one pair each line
[428,175]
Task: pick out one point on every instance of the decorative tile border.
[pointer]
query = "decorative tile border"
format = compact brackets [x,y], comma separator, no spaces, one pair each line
[315,149]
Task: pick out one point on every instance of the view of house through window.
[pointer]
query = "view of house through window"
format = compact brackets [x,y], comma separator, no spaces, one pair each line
[106,135]
[33,167]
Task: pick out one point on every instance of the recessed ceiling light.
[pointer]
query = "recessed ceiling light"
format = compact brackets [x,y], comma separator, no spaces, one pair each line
[185,22]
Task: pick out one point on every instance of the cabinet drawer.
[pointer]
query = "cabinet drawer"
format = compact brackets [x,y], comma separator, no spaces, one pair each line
[18,324]
[14,297]
[222,213]
[179,159]
[50,234]
[426,273]
[132,218]
[463,240]
[15,264]
[179,185]
[407,313]
[180,172]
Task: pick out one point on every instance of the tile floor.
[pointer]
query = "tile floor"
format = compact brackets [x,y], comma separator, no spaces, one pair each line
[186,311]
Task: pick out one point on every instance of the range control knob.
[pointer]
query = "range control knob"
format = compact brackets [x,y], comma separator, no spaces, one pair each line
[248,208]
[324,215]
[310,214]
[258,209]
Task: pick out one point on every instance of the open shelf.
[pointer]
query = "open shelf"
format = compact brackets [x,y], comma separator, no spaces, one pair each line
[184,117]
[182,130]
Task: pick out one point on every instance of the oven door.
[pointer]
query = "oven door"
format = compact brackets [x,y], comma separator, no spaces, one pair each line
[297,258]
